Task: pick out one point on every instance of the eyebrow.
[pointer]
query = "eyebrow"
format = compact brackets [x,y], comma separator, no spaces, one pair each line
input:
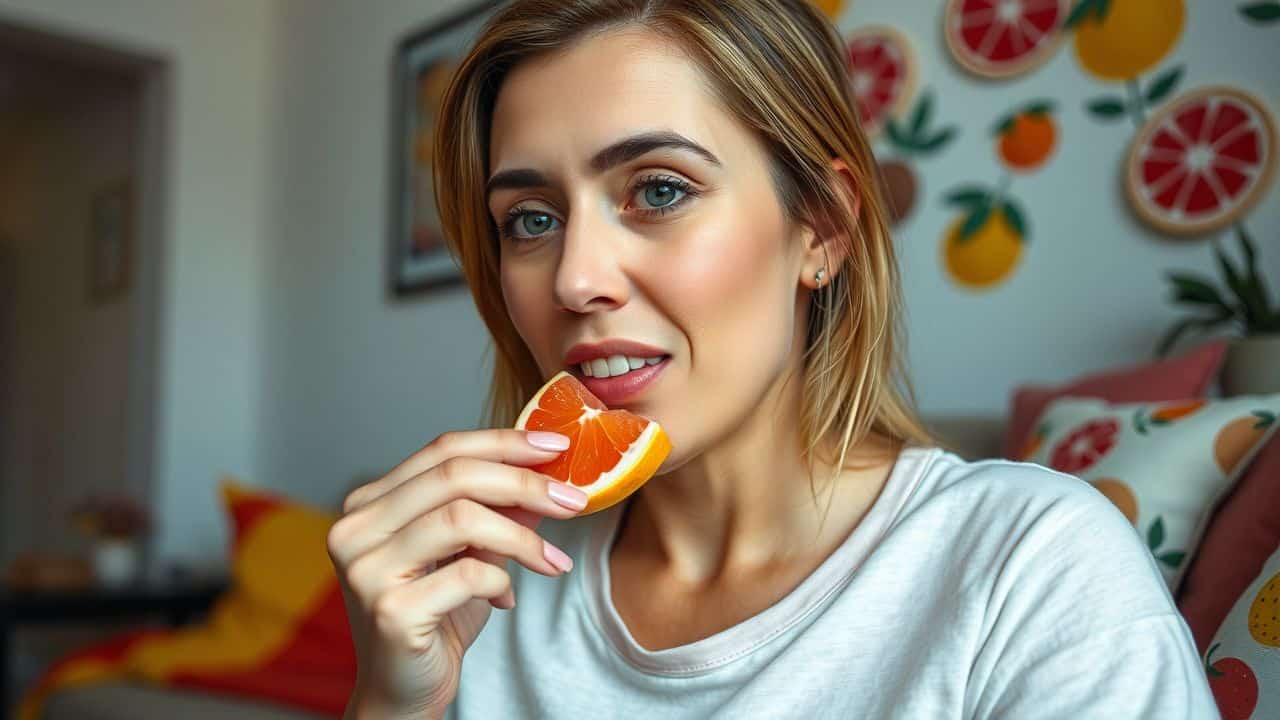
[615,154]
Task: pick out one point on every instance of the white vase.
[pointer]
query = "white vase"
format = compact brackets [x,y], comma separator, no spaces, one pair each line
[116,563]
[1252,366]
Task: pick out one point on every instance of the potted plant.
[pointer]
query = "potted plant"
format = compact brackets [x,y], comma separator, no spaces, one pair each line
[1253,361]
[115,526]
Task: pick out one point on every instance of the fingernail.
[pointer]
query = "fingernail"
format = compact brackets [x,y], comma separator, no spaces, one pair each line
[556,557]
[547,440]
[567,495]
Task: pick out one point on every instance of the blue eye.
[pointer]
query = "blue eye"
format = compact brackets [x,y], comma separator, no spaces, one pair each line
[663,193]
[532,224]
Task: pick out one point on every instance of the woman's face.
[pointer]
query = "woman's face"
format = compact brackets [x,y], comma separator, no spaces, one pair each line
[675,240]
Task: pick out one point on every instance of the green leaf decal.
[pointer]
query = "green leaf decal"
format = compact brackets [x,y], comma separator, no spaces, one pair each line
[1039,107]
[1107,108]
[1265,419]
[1004,125]
[1163,85]
[966,196]
[921,117]
[937,141]
[1096,8]
[1172,558]
[1262,12]
[1016,219]
[975,221]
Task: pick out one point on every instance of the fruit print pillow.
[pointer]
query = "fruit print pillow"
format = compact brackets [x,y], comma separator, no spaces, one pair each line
[1243,661]
[1164,465]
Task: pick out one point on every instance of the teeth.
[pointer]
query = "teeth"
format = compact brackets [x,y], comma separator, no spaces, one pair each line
[615,365]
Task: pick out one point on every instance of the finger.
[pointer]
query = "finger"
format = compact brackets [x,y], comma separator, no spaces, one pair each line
[442,533]
[412,612]
[513,447]
[489,483]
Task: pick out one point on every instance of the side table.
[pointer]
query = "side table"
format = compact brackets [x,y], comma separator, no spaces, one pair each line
[173,602]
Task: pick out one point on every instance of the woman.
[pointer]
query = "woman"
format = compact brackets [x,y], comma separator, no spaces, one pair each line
[685,180]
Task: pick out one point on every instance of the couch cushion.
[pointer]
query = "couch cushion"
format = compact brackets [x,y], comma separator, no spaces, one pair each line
[1243,660]
[1190,375]
[1164,465]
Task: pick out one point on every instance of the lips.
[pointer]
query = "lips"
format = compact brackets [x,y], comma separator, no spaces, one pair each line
[590,351]
[619,390]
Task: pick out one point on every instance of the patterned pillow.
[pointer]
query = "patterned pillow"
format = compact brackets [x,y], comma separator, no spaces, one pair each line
[1164,465]
[1243,661]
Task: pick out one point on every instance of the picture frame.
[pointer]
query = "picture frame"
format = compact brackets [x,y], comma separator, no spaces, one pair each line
[423,64]
[111,241]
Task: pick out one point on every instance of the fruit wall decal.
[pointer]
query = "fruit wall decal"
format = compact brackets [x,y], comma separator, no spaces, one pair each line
[882,74]
[909,140]
[1234,686]
[982,246]
[1201,162]
[1119,40]
[831,8]
[1261,13]
[1003,38]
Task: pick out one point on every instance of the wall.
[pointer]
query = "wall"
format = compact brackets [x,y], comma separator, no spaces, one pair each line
[355,382]
[66,370]
[1089,291]
[215,224]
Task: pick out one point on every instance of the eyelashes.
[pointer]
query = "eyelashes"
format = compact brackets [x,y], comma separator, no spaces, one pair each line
[517,214]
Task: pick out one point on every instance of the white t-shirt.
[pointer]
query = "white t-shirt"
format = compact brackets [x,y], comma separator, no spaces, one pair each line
[969,590]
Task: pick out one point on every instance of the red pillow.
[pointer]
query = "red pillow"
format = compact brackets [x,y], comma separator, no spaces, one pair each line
[1177,378]
[1243,532]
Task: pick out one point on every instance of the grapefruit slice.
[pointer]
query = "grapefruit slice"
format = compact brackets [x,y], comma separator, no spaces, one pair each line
[1202,161]
[611,452]
[1002,38]
[882,74]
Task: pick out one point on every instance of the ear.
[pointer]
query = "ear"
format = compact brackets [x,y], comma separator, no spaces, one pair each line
[827,242]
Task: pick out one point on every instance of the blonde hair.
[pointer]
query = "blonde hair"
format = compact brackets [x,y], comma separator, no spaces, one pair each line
[778,67]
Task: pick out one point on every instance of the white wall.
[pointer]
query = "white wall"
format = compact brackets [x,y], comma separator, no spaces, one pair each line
[1090,292]
[354,381]
[210,329]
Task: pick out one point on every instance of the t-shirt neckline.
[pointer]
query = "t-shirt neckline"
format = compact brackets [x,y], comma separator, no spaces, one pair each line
[813,592]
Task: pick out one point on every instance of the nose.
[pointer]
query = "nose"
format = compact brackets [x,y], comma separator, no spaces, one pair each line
[590,276]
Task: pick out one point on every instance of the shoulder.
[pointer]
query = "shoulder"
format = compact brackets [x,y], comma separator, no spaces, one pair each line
[1035,535]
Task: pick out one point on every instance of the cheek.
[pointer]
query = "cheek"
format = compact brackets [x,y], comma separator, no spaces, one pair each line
[526,299]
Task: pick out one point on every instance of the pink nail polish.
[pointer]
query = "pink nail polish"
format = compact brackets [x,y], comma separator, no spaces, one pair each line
[547,440]
[567,495]
[556,557]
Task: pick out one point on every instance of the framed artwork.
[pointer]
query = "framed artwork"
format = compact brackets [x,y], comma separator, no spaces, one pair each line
[424,63]
[111,240]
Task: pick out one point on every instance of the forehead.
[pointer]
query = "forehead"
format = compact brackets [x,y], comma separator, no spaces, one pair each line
[571,103]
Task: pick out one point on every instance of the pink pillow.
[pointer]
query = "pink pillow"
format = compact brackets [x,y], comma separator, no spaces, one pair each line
[1178,378]
[1243,532]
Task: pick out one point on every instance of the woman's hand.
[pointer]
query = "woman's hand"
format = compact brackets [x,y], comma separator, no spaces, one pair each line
[421,555]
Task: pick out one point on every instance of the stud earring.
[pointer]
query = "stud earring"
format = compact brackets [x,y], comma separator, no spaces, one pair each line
[817,277]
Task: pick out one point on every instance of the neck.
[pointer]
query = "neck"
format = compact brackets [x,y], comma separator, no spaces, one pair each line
[746,505]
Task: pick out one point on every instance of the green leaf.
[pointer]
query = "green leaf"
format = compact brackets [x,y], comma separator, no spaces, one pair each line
[1237,284]
[1265,419]
[1004,124]
[966,196]
[1155,535]
[1265,320]
[1262,12]
[1193,290]
[937,141]
[1016,219]
[1107,108]
[1173,558]
[921,117]
[1097,8]
[896,138]
[976,220]
[1163,85]
[1039,107]
[1208,660]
